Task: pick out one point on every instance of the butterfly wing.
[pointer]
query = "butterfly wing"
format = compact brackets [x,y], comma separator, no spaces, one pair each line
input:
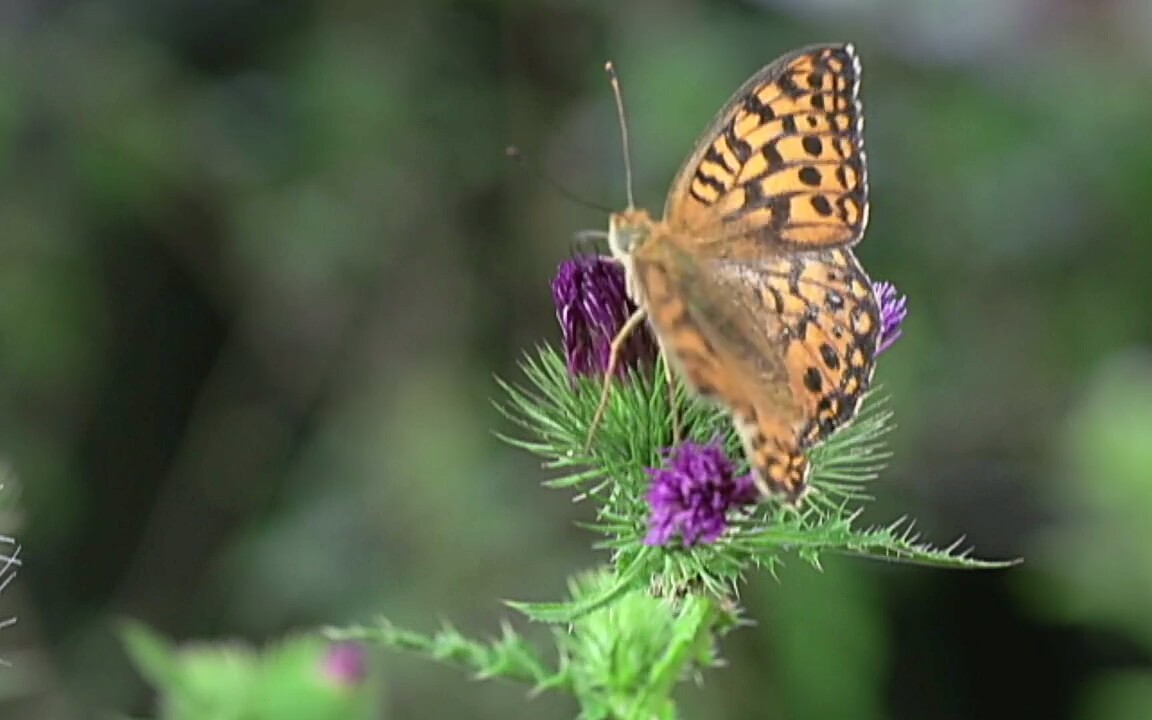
[787,342]
[784,158]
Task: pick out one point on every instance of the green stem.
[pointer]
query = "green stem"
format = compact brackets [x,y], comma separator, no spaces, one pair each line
[695,622]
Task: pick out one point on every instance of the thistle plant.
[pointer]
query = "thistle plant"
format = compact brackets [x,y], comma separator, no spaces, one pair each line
[681,523]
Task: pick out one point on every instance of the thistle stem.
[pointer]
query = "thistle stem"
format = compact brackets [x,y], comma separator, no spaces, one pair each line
[696,620]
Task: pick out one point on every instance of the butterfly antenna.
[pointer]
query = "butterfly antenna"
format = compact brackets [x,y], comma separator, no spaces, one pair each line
[615,80]
[513,153]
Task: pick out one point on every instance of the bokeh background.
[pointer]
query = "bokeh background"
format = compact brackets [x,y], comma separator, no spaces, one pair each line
[260,260]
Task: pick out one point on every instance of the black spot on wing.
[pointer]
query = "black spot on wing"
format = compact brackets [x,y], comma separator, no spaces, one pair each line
[810,176]
[715,156]
[705,179]
[777,299]
[821,205]
[829,356]
[740,148]
[754,105]
[788,86]
[772,156]
[781,210]
[813,380]
[698,197]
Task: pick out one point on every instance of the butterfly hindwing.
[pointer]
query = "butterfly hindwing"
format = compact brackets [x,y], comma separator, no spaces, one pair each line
[723,354]
[826,318]
[786,342]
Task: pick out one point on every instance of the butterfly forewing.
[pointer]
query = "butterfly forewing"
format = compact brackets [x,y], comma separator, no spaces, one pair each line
[785,157]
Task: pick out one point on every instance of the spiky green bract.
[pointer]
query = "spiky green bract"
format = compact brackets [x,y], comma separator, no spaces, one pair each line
[553,413]
[621,660]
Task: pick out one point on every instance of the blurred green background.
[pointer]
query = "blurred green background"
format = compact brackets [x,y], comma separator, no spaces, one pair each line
[261,259]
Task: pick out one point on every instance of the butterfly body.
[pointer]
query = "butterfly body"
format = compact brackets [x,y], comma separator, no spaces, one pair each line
[748,281]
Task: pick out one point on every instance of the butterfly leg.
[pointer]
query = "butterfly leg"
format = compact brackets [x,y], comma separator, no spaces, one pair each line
[672,407]
[629,327]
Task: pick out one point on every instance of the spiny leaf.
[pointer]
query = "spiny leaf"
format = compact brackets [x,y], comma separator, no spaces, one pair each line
[566,612]
[509,656]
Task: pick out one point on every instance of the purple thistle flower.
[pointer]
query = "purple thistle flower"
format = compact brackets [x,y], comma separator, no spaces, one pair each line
[692,494]
[592,306]
[345,664]
[893,310]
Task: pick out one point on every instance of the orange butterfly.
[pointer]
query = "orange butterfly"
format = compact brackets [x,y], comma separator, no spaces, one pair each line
[749,282]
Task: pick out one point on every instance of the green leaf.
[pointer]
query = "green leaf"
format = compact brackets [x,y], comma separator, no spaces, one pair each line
[232,681]
[566,612]
[510,656]
[153,656]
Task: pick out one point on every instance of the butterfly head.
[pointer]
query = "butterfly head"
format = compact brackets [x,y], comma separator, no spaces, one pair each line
[627,231]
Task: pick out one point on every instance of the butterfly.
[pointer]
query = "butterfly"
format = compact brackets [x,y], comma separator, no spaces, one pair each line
[749,282]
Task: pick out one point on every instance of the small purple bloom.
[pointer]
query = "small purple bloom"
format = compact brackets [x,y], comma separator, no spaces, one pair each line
[893,310]
[692,494]
[345,664]
[592,306]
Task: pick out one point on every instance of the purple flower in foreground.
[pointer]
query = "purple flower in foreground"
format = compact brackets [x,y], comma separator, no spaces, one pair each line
[692,494]
[592,306]
[893,310]
[345,664]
